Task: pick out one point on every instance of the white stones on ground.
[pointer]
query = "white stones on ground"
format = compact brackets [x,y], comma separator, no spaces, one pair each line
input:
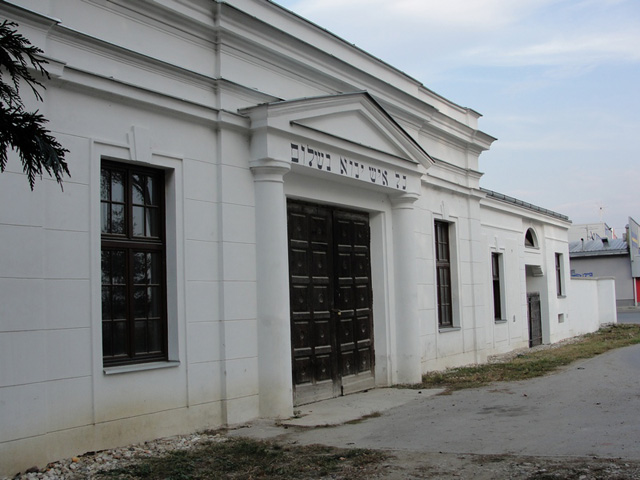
[85,466]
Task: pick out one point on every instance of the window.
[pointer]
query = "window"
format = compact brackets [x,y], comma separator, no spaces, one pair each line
[530,239]
[443,274]
[134,320]
[497,287]
[559,285]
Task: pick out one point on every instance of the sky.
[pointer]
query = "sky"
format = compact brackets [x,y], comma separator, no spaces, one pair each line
[556,81]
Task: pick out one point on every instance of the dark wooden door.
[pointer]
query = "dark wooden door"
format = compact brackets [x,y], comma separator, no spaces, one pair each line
[330,292]
[535,319]
[352,243]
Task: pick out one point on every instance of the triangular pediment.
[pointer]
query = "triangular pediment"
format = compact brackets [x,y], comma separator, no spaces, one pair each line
[355,126]
[353,118]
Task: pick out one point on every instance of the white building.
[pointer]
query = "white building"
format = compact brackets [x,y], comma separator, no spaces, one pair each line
[259,215]
[590,231]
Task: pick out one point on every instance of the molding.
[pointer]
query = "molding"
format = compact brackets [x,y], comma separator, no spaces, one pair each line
[525,205]
[404,201]
[34,18]
[139,367]
[195,26]
[103,87]
[466,172]
[138,61]
[331,71]
[523,213]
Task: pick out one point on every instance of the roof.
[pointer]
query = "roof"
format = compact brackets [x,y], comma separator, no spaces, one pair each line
[598,247]
[520,203]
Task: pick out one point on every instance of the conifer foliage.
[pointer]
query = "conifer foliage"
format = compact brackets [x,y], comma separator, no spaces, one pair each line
[21,130]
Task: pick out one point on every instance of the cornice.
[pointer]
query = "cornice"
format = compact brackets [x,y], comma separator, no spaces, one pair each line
[129,57]
[194,21]
[334,74]
[524,210]
[22,14]
[101,86]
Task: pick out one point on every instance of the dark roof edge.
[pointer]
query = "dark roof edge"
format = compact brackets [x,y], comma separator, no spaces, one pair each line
[599,253]
[520,203]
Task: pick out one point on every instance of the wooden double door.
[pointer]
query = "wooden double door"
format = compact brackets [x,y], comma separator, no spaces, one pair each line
[331,301]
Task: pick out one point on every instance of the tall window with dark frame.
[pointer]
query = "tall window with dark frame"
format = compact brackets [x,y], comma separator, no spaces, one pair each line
[559,274]
[443,274]
[134,319]
[495,273]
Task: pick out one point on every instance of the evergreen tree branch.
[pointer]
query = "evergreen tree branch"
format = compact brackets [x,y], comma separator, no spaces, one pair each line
[23,131]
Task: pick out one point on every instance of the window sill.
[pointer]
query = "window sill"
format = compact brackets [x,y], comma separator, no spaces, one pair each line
[562,296]
[448,329]
[500,320]
[139,367]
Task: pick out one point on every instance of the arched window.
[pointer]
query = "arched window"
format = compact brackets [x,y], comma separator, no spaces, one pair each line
[530,239]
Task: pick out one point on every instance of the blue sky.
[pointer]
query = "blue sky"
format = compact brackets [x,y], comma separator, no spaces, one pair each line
[557,82]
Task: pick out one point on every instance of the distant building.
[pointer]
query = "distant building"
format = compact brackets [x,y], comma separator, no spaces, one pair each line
[603,257]
[590,231]
[595,252]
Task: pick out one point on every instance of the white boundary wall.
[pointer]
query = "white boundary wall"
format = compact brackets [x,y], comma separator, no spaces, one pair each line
[592,303]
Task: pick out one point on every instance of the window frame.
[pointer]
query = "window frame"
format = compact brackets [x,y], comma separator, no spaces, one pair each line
[442,242]
[497,280]
[560,284]
[132,244]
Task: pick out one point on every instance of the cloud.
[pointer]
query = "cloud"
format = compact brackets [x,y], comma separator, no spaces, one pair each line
[477,15]
[567,50]
[565,34]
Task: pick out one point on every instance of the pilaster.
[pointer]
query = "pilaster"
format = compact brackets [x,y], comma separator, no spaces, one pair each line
[274,337]
[406,287]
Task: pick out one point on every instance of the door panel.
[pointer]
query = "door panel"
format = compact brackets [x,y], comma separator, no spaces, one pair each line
[352,244]
[331,320]
[314,365]
[535,319]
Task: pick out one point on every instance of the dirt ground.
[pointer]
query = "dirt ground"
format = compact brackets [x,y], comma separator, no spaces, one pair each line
[412,465]
[120,464]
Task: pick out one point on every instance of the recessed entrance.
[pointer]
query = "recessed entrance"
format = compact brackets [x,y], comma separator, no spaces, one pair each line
[331,301]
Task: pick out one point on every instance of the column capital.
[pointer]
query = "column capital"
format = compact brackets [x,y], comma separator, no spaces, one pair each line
[406,200]
[269,169]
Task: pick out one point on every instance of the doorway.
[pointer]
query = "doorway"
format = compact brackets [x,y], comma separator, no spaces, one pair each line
[330,301]
[535,319]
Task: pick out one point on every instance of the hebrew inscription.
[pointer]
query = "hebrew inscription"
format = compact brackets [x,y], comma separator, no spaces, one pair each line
[314,158]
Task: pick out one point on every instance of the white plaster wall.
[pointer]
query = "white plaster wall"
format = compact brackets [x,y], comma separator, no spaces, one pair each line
[55,399]
[503,234]
[617,266]
[443,348]
[607,311]
[561,321]
[564,316]
[592,304]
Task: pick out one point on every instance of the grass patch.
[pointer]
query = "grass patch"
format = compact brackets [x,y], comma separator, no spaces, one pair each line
[237,458]
[534,364]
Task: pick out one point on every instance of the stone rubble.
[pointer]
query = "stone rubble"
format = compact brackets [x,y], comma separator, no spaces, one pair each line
[87,465]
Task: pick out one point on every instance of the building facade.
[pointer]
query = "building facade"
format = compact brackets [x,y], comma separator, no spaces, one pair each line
[259,215]
[600,254]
